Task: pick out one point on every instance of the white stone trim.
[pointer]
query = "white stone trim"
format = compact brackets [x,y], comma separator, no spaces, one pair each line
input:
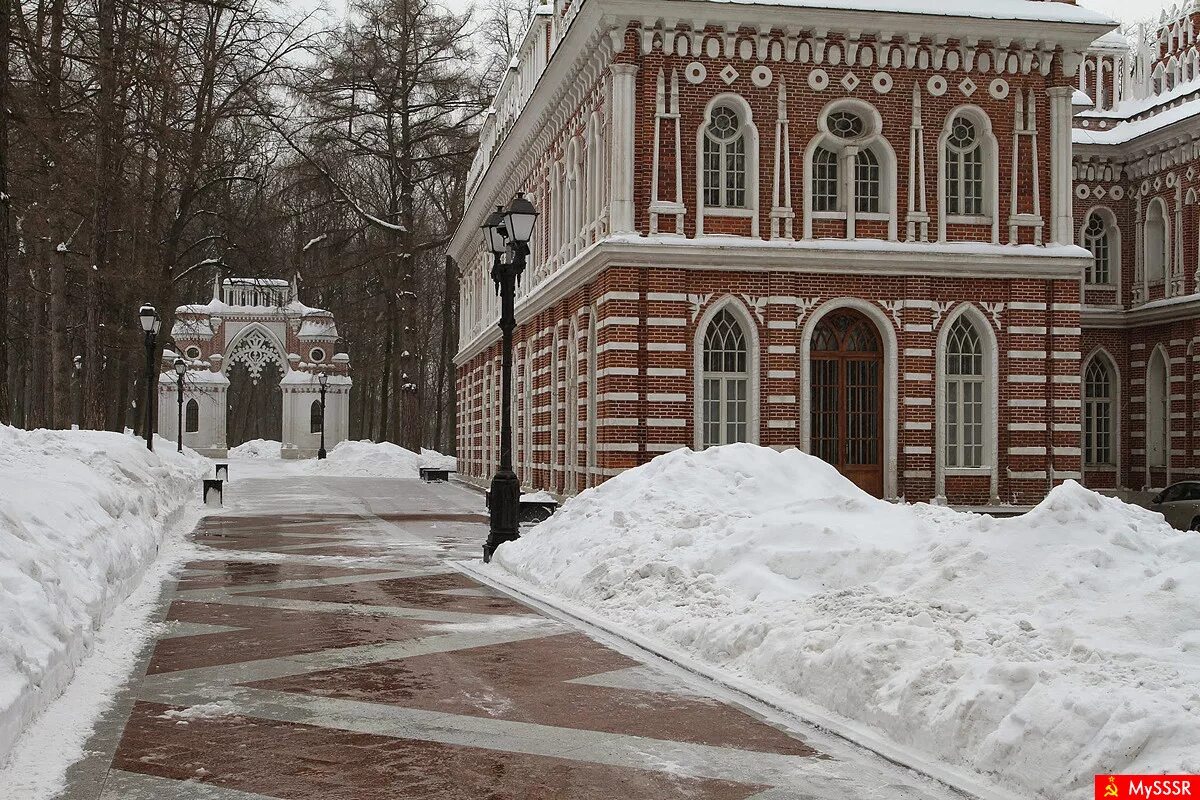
[991,370]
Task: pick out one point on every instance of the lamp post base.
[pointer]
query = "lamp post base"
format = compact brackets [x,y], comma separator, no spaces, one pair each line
[504,509]
[321,453]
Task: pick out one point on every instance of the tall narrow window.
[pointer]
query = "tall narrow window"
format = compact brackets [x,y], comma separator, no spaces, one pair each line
[1095,238]
[867,180]
[192,417]
[825,180]
[724,160]
[1097,413]
[316,419]
[1158,406]
[571,454]
[527,406]
[591,398]
[726,381]
[963,419]
[1156,243]
[964,169]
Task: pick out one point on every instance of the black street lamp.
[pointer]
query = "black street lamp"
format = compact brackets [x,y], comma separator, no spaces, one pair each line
[322,379]
[151,323]
[76,396]
[180,371]
[507,230]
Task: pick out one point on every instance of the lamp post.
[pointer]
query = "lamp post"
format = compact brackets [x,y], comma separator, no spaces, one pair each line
[322,379]
[76,399]
[151,323]
[180,371]
[506,230]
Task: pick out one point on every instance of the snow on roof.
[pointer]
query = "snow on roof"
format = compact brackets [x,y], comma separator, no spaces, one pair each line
[302,377]
[211,307]
[1032,10]
[254,282]
[318,327]
[1127,131]
[195,377]
[193,329]
[1113,39]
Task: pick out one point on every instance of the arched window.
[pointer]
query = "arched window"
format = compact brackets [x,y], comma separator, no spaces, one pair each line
[191,416]
[527,401]
[316,418]
[964,169]
[825,193]
[725,382]
[1098,413]
[555,405]
[724,159]
[591,398]
[867,182]
[963,417]
[1096,238]
[571,451]
[1158,404]
[1155,243]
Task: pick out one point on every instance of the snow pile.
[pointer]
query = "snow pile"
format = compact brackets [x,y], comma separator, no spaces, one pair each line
[82,514]
[1037,650]
[256,448]
[367,459]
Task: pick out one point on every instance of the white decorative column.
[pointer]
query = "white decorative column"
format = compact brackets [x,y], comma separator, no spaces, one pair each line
[624,97]
[1060,165]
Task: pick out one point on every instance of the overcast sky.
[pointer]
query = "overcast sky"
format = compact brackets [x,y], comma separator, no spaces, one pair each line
[1125,11]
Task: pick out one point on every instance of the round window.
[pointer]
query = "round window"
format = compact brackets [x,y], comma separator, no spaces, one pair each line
[724,125]
[317,354]
[192,352]
[845,125]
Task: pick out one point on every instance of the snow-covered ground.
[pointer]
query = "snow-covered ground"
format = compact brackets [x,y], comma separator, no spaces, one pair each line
[82,516]
[1037,651]
[352,459]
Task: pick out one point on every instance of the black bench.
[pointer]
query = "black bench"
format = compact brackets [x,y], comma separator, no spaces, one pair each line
[434,474]
[530,511]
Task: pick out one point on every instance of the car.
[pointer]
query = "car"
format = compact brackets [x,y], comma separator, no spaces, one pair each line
[1180,504]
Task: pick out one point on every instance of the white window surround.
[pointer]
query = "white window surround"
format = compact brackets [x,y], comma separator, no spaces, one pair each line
[847,150]
[750,131]
[1114,247]
[571,456]
[1158,401]
[555,406]
[991,172]
[523,447]
[1156,243]
[987,337]
[591,397]
[1114,374]
[891,401]
[753,366]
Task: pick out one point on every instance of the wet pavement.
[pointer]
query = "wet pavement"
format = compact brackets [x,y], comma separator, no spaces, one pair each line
[321,645]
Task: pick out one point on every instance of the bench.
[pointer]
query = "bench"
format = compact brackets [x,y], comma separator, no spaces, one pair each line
[434,474]
[530,511]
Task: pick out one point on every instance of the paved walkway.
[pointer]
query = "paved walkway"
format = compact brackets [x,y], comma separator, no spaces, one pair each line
[324,649]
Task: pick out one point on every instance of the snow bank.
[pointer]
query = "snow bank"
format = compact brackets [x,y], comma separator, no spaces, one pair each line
[1037,650]
[82,514]
[367,459]
[256,448]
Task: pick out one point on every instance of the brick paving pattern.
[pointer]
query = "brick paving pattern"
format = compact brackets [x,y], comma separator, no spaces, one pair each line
[339,656]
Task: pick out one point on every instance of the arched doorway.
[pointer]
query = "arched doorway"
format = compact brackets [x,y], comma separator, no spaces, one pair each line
[254,369]
[846,385]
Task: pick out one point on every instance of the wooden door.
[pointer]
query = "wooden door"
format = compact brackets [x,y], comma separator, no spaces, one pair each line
[846,382]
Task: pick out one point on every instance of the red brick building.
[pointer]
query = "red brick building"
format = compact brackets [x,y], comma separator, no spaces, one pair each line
[1136,180]
[857,232]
